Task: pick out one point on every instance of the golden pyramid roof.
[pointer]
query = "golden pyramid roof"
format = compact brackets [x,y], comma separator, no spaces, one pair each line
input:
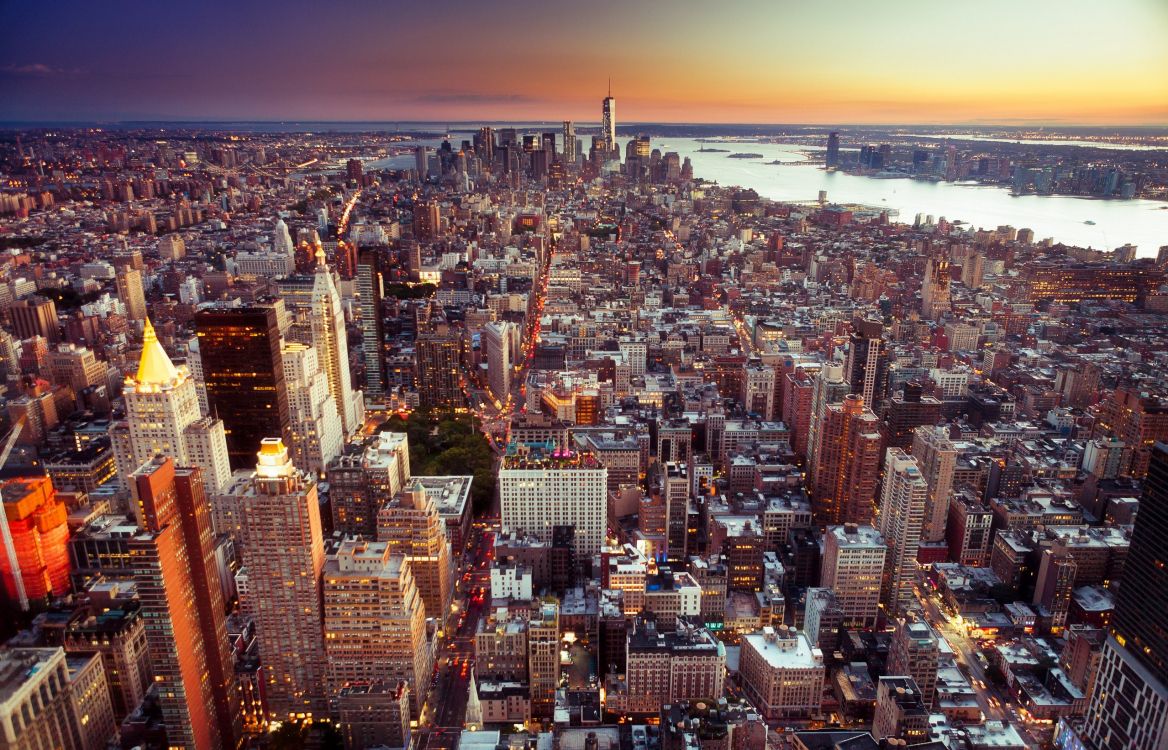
[155,367]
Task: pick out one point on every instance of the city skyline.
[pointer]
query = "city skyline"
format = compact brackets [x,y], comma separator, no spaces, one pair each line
[742,65]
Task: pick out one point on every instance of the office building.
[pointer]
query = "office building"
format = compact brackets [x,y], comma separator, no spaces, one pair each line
[667,667]
[782,673]
[543,657]
[1129,708]
[569,148]
[831,158]
[240,353]
[829,387]
[541,489]
[907,410]
[608,124]
[675,490]
[374,714]
[173,559]
[118,634]
[497,338]
[314,422]
[854,558]
[410,525]
[867,364]
[283,558]
[374,620]
[902,511]
[369,295]
[163,418]
[42,707]
[131,293]
[332,346]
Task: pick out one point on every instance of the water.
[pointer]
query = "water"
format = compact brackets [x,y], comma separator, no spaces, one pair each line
[1142,223]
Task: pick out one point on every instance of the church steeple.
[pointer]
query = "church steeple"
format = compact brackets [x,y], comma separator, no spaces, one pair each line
[154,368]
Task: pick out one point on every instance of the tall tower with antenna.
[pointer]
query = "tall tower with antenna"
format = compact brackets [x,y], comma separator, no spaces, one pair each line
[608,120]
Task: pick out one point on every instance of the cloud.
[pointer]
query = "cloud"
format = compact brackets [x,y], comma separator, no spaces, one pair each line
[37,69]
[472,97]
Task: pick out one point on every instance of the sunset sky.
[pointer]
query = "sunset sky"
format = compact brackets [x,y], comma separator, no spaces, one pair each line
[757,61]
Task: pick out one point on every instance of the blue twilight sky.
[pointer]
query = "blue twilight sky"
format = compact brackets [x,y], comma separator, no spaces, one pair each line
[921,61]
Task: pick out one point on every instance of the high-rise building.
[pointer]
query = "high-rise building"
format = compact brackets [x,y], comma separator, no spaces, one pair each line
[829,387]
[182,603]
[369,294]
[915,653]
[282,240]
[543,657]
[1129,708]
[539,490]
[497,347]
[867,365]
[163,418]
[935,289]
[854,558]
[38,528]
[908,409]
[409,523]
[361,481]
[332,346]
[1137,419]
[902,511]
[35,316]
[675,488]
[1054,588]
[283,558]
[848,464]
[937,458]
[118,634]
[832,157]
[132,293]
[239,348]
[569,143]
[374,620]
[440,375]
[427,220]
[315,426]
[608,124]
[374,714]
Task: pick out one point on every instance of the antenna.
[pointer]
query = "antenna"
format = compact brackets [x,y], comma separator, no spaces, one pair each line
[610,87]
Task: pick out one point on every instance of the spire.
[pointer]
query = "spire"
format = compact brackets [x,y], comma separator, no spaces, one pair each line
[155,367]
[321,260]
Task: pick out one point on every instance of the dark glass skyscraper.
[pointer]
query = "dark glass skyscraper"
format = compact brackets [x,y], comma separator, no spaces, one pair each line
[244,374]
[832,158]
[1130,704]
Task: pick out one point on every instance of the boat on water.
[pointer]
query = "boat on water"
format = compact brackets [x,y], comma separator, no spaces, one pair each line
[1089,222]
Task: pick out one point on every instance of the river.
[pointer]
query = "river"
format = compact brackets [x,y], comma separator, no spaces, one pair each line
[1142,223]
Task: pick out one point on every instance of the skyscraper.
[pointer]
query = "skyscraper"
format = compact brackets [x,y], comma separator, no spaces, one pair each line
[332,346]
[410,525]
[829,388]
[239,348]
[282,240]
[370,292]
[182,603]
[608,124]
[848,464]
[131,292]
[569,143]
[937,458]
[902,510]
[1129,708]
[284,557]
[439,358]
[314,420]
[853,568]
[915,653]
[832,157]
[374,620]
[867,365]
[163,418]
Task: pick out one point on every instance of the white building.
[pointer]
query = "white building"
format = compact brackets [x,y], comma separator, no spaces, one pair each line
[937,458]
[782,673]
[162,409]
[332,346]
[496,343]
[510,580]
[539,491]
[315,422]
[853,567]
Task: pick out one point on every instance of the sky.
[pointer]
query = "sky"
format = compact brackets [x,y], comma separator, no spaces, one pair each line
[744,61]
